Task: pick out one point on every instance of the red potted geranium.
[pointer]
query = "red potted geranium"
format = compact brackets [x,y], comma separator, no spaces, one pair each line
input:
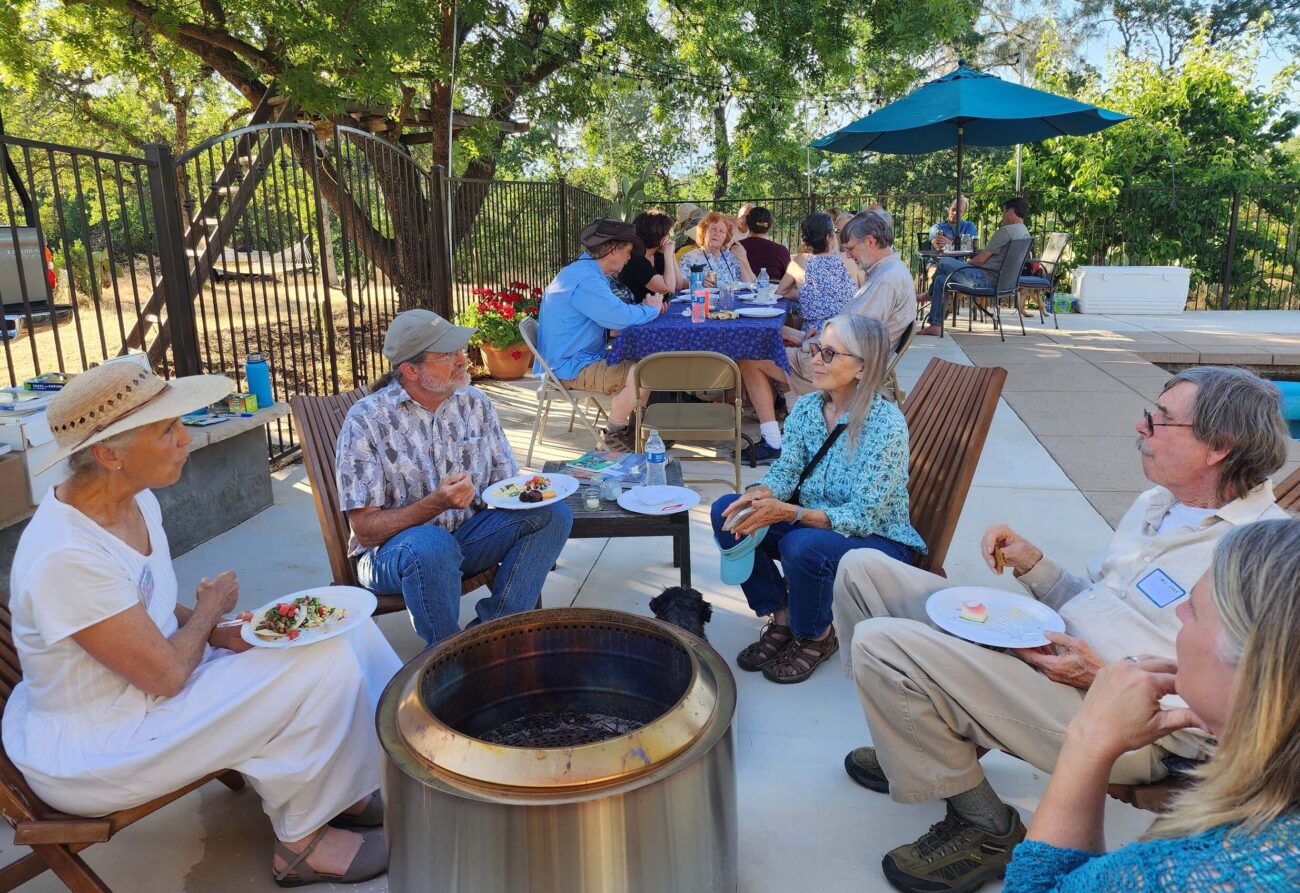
[496,313]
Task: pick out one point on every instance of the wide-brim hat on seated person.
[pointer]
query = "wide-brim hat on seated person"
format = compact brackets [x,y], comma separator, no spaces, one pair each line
[413,332]
[607,229]
[738,561]
[689,215]
[120,396]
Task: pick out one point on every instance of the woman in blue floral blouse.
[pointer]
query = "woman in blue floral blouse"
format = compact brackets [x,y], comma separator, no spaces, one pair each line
[720,264]
[854,498]
[1237,828]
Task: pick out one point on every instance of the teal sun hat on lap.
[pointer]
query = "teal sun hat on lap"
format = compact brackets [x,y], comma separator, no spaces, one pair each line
[738,561]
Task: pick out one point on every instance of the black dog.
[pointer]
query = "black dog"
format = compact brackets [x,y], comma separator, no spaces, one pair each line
[684,608]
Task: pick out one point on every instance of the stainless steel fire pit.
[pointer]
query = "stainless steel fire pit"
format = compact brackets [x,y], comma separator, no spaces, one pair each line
[562,751]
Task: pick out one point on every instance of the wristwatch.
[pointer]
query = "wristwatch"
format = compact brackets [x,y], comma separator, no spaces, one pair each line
[798,514]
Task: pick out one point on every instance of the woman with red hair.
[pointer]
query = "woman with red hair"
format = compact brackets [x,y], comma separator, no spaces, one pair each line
[720,264]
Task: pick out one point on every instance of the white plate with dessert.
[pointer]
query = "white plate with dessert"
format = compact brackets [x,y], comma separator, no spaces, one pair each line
[993,617]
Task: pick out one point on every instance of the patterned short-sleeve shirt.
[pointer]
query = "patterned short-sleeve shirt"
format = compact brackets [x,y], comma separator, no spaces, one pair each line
[392,451]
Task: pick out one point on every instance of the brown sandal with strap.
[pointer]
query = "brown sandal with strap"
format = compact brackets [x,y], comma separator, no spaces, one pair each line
[800,658]
[370,862]
[774,639]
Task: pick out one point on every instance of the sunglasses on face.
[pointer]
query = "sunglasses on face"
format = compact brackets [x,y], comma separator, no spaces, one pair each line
[1152,424]
[827,354]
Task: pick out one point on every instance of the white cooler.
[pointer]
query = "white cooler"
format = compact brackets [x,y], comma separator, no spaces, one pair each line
[1136,291]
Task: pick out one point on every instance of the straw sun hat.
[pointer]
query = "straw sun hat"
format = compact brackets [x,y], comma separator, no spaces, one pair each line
[121,396]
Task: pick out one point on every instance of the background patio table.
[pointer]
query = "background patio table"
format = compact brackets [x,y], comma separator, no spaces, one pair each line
[741,339]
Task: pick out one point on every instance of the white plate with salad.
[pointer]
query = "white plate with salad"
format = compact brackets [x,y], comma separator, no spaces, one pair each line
[307,617]
[530,491]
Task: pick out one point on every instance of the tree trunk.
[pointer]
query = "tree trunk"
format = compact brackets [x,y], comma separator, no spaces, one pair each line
[721,150]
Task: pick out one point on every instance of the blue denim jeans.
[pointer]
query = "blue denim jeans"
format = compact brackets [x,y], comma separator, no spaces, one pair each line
[945,268]
[425,565]
[809,556]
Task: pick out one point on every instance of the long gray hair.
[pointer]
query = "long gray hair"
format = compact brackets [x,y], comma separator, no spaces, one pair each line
[1238,411]
[863,337]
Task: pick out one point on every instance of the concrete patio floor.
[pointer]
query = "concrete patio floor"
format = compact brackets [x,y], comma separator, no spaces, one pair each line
[803,823]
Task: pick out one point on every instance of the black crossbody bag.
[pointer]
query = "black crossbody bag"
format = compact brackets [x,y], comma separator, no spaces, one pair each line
[812,463]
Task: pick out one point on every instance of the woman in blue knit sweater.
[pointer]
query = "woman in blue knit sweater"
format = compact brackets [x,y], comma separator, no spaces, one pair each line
[1238,671]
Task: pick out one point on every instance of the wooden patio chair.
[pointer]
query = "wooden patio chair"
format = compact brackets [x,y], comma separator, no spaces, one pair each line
[319,420]
[54,837]
[1287,493]
[948,417]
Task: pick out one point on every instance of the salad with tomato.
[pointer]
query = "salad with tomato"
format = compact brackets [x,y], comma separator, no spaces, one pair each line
[288,620]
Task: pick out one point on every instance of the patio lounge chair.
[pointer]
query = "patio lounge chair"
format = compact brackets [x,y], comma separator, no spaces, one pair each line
[1006,288]
[319,420]
[948,417]
[54,837]
[549,388]
[1051,264]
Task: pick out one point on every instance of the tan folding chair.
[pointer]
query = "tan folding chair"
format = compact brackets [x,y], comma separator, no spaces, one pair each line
[691,370]
[56,838]
[549,387]
[319,420]
[891,376]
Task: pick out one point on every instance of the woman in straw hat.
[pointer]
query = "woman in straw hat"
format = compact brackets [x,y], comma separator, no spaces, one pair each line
[128,696]
[1238,671]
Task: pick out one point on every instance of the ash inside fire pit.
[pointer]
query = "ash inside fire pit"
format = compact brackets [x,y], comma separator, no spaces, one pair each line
[557,685]
[563,728]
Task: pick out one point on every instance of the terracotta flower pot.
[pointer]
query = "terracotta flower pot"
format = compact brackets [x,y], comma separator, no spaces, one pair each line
[508,363]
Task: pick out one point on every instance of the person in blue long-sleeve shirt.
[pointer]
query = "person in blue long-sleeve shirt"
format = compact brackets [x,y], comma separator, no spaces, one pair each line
[579,310]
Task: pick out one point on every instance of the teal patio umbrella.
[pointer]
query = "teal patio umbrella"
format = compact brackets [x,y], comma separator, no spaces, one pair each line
[968,107]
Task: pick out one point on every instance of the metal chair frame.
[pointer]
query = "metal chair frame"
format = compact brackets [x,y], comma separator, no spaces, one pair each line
[549,387]
[671,371]
[1053,251]
[1006,288]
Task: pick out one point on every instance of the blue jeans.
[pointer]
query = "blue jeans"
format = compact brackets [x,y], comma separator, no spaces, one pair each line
[945,268]
[425,565]
[809,556]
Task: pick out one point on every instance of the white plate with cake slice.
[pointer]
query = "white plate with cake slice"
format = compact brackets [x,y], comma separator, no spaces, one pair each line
[993,617]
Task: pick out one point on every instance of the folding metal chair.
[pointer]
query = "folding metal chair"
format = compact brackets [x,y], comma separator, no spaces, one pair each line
[549,387]
[691,370]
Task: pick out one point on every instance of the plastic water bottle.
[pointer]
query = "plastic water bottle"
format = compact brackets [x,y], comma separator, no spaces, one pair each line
[699,305]
[656,456]
[258,375]
[763,281]
[697,277]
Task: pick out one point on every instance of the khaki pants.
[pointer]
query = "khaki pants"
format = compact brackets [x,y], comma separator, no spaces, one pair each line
[930,698]
[601,377]
[800,375]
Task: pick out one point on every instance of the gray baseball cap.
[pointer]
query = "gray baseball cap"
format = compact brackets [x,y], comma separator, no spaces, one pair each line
[415,331]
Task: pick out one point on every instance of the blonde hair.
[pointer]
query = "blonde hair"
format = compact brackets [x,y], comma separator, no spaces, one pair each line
[863,337]
[1254,775]
[702,228]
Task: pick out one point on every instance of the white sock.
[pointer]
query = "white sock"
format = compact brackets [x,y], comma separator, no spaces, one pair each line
[771,432]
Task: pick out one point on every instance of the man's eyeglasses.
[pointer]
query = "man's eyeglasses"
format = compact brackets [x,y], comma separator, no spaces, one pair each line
[828,354]
[1152,424]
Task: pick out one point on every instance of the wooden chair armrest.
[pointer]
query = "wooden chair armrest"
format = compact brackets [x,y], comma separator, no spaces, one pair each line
[62,831]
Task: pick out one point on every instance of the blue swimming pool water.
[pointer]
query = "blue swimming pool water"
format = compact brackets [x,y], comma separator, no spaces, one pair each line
[1291,405]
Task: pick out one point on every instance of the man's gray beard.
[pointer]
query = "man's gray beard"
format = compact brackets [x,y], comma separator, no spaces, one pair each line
[1142,446]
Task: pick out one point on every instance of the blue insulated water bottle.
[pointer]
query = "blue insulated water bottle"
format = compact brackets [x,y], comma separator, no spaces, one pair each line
[258,375]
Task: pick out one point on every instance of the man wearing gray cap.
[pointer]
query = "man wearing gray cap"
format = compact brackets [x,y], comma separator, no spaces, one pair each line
[579,310]
[412,459]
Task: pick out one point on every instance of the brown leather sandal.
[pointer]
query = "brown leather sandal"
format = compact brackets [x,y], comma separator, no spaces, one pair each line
[774,639]
[370,862]
[800,658]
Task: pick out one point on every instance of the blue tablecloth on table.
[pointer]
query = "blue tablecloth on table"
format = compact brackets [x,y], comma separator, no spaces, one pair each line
[741,339]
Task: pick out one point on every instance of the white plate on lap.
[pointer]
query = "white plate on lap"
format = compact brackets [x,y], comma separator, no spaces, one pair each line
[359,603]
[658,500]
[501,496]
[1014,621]
[760,312]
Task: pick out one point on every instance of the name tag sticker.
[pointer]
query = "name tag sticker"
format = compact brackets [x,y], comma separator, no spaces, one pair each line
[1160,588]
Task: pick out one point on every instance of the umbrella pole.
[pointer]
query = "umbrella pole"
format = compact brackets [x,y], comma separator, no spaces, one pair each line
[961,130]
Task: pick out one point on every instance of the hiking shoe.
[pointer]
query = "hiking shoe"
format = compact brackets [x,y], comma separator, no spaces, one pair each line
[621,439]
[954,856]
[863,767]
[759,453]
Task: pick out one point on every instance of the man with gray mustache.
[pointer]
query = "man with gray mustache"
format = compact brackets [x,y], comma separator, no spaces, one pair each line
[932,700]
